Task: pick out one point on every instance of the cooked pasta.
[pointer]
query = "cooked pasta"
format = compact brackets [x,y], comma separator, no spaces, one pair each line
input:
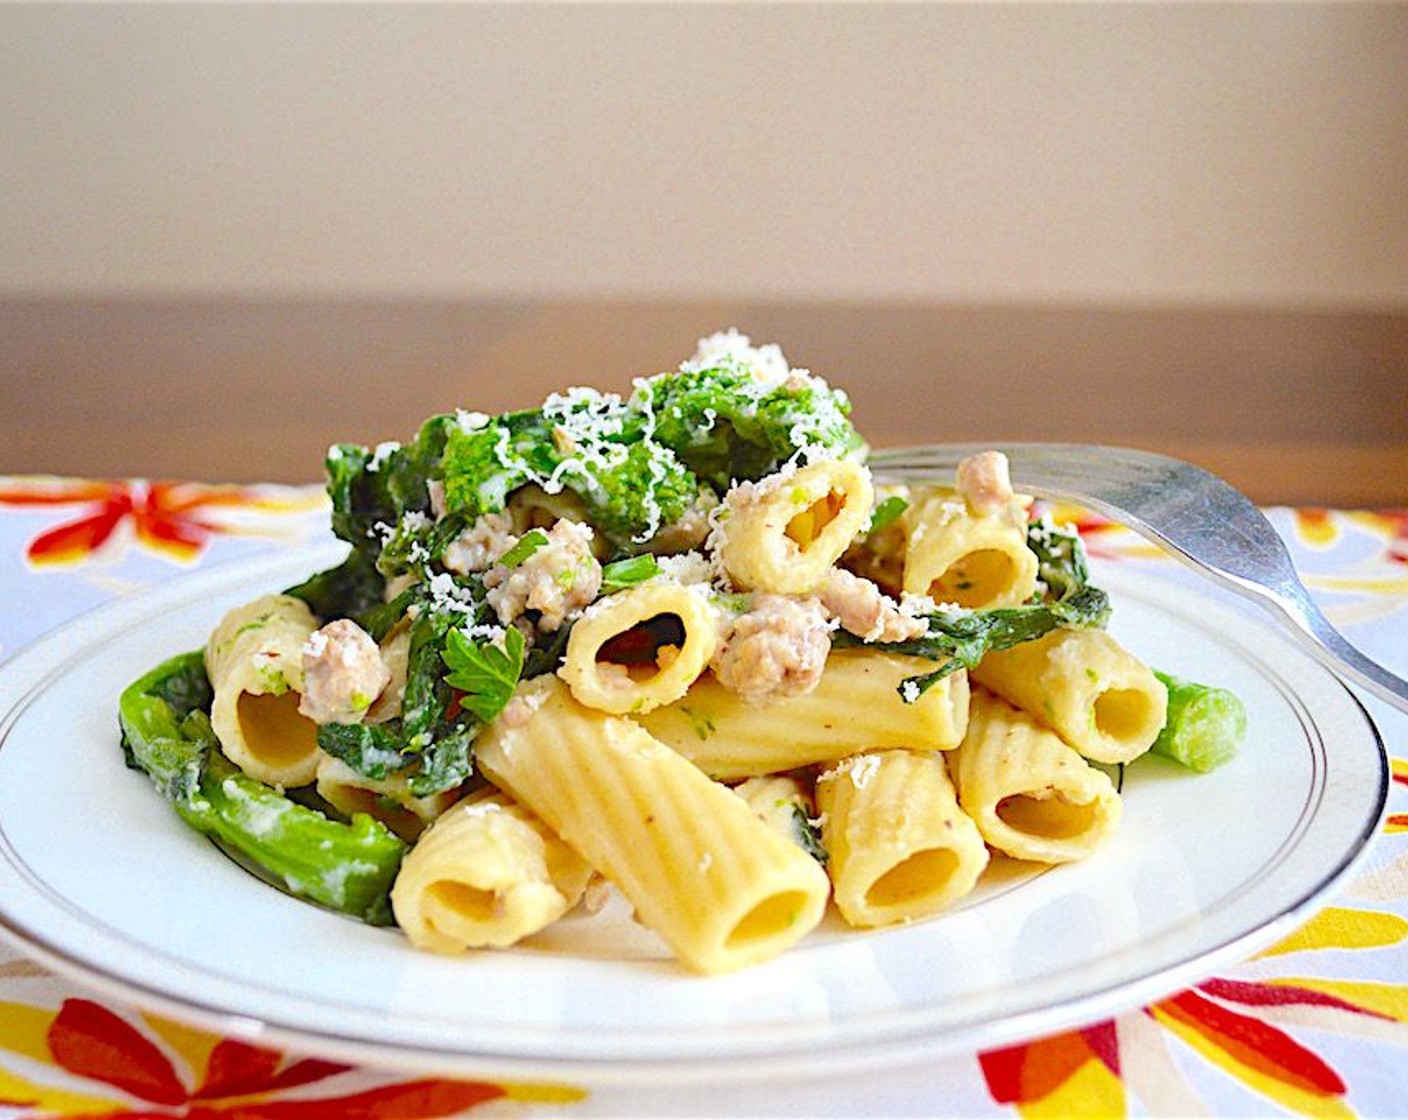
[254,660]
[783,802]
[387,799]
[487,873]
[954,555]
[633,651]
[856,706]
[898,846]
[785,535]
[1095,694]
[1031,795]
[716,883]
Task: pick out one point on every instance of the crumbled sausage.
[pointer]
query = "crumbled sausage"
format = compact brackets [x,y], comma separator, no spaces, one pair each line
[560,578]
[983,482]
[474,550]
[343,673]
[775,649]
[862,609]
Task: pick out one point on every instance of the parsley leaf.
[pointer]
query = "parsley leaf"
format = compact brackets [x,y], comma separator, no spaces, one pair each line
[886,512]
[527,544]
[486,673]
[620,574]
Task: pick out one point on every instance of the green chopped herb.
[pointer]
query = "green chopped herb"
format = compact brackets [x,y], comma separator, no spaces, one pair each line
[485,672]
[887,512]
[527,544]
[620,574]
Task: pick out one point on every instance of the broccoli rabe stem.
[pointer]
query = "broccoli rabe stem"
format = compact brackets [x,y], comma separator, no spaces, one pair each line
[166,733]
[959,639]
[1205,724]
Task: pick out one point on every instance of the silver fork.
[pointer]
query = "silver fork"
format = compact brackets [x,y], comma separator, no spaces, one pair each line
[1192,513]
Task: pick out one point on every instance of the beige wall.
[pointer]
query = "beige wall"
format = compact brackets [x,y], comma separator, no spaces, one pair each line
[1248,154]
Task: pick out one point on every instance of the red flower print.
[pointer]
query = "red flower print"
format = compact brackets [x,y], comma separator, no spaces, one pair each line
[239,1080]
[1034,1071]
[168,517]
[1398,822]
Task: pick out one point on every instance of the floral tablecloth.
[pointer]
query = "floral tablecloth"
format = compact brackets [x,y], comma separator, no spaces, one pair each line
[1318,1024]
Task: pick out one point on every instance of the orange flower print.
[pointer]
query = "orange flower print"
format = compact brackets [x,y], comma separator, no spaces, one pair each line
[1241,1027]
[131,1076]
[1320,528]
[1072,1074]
[1315,526]
[170,518]
[1226,1022]
[1103,538]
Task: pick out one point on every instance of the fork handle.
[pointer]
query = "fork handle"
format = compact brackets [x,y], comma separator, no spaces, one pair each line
[1322,639]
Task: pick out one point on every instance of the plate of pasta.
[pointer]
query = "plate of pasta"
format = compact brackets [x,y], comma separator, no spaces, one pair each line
[627,737]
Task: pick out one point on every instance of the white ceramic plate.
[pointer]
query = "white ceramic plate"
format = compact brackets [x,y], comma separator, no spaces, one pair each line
[99,879]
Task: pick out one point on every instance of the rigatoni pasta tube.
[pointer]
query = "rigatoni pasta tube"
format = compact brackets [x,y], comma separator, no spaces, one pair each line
[954,555]
[1100,698]
[716,883]
[785,534]
[487,873]
[899,848]
[254,660]
[855,706]
[1030,795]
[388,799]
[639,648]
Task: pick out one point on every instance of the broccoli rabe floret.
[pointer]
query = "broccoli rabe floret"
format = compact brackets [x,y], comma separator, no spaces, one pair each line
[632,500]
[726,424]
[590,443]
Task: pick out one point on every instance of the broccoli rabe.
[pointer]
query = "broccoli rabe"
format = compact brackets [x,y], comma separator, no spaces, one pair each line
[630,484]
[374,488]
[432,740]
[636,463]
[727,425]
[961,638]
[1060,554]
[166,733]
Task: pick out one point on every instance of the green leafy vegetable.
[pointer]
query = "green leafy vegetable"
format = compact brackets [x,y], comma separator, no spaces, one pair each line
[1061,561]
[886,512]
[347,590]
[620,574]
[432,739]
[590,443]
[807,834]
[527,544]
[725,424]
[152,712]
[374,750]
[960,639]
[485,672]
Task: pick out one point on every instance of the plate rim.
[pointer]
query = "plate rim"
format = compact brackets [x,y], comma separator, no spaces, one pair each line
[48,658]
